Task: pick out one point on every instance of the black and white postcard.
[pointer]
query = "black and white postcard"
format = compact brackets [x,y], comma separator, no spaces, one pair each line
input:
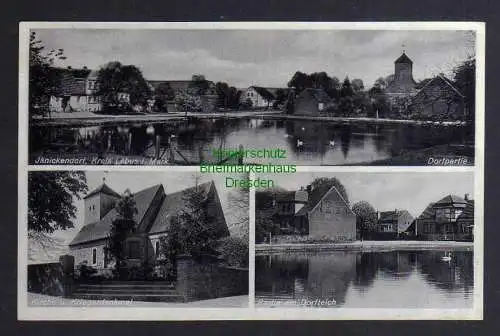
[251,170]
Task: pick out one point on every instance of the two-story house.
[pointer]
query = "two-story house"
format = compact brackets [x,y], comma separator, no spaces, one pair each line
[326,214]
[451,218]
[393,223]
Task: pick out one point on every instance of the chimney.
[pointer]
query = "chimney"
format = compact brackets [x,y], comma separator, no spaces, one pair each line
[466,197]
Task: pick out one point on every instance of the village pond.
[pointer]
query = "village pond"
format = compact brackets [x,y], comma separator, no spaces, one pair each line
[353,279]
[306,142]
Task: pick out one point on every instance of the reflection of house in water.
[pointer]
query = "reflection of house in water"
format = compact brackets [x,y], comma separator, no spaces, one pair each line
[329,275]
[453,275]
[321,276]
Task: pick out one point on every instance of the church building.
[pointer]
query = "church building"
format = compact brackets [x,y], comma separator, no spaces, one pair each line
[403,84]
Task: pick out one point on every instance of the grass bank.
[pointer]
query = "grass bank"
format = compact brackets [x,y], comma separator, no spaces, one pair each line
[364,246]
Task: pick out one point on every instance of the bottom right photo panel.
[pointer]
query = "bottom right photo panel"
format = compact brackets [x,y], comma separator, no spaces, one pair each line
[366,240]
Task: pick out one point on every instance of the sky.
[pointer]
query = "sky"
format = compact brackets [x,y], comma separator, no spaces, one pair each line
[266,58]
[137,181]
[390,191]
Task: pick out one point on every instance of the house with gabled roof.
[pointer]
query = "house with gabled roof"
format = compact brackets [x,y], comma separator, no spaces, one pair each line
[450,218]
[439,97]
[312,102]
[77,91]
[326,214]
[260,97]
[394,223]
[156,210]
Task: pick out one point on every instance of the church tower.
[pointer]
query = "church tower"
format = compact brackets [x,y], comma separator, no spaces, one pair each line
[403,69]
[99,202]
[403,84]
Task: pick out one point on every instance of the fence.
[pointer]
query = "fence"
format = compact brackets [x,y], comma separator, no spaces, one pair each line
[206,279]
[52,278]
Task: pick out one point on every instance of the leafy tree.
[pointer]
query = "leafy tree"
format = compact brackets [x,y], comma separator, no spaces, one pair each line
[114,78]
[327,183]
[121,227]
[266,216]
[199,85]
[346,103]
[300,81]
[381,83]
[198,225]
[234,250]
[366,218]
[43,79]
[465,80]
[357,85]
[162,93]
[280,98]
[50,199]
[171,246]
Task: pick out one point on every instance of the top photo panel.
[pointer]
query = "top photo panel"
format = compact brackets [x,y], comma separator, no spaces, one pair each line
[266,94]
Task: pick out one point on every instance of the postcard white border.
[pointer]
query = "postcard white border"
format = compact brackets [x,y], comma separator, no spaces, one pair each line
[26,312]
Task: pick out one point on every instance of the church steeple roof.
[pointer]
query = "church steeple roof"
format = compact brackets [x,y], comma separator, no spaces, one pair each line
[103,188]
[404,59]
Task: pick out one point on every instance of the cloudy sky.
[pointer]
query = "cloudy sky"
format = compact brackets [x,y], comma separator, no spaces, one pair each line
[389,191]
[137,181]
[261,57]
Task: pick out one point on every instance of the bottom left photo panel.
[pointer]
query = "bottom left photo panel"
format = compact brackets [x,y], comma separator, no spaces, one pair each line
[141,238]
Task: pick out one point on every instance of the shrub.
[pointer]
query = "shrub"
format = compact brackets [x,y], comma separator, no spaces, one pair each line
[234,250]
[85,272]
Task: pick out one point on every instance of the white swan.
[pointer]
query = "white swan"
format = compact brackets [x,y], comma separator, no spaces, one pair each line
[332,143]
[299,143]
[446,257]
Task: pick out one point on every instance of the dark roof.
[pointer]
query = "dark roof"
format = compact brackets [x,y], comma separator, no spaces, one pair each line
[450,200]
[389,216]
[103,188]
[71,82]
[403,59]
[265,93]
[315,197]
[459,202]
[171,204]
[100,229]
[443,79]
[428,212]
[319,94]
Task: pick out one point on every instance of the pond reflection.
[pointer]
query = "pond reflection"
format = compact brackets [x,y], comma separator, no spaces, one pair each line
[306,142]
[397,279]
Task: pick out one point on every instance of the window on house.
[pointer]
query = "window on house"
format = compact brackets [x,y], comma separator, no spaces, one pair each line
[157,249]
[94,256]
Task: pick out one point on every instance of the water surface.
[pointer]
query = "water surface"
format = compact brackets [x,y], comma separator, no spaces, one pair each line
[305,142]
[397,279]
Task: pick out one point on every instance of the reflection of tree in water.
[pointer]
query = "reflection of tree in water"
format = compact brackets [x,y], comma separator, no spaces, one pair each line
[320,276]
[453,275]
[366,270]
[345,139]
[307,137]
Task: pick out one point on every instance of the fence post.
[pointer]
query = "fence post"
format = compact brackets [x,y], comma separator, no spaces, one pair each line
[68,269]
[129,143]
[157,147]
